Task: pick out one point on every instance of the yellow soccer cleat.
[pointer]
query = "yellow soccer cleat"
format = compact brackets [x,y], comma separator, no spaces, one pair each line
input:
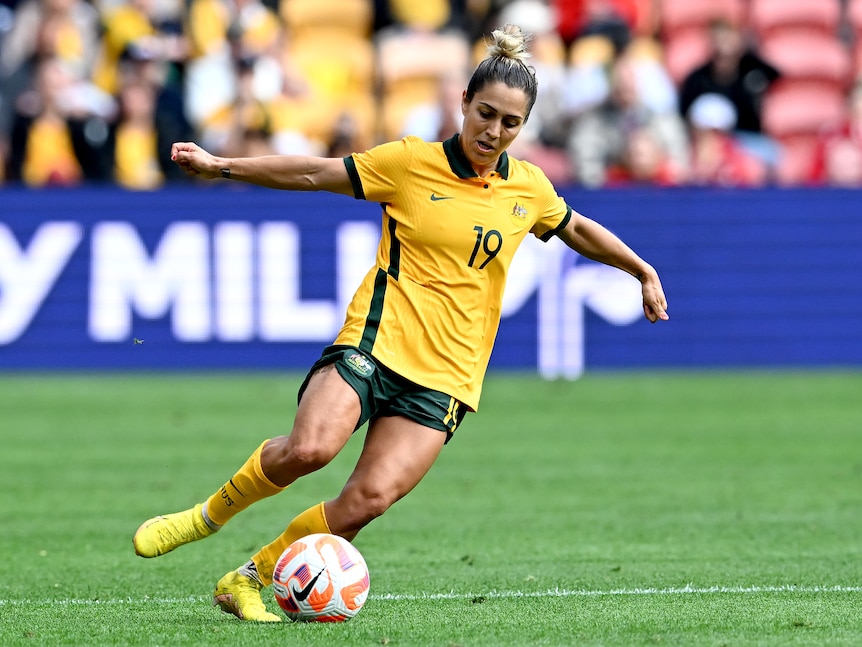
[164,533]
[239,595]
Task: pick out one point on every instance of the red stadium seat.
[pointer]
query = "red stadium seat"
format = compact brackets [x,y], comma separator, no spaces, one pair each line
[796,159]
[795,113]
[684,51]
[793,108]
[809,56]
[682,15]
[769,16]
[685,30]
[857,59]
[854,16]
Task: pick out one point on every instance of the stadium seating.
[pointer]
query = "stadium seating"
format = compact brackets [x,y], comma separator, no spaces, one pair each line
[329,42]
[683,15]
[766,17]
[377,78]
[816,71]
[795,159]
[309,19]
[809,56]
[854,16]
[410,67]
[799,108]
[684,30]
[794,113]
[853,20]
[645,47]
[594,49]
[685,51]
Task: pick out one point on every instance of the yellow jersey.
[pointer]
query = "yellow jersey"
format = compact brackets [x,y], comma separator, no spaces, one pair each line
[430,307]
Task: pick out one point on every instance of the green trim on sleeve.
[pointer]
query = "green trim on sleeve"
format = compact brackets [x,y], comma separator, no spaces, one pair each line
[355,181]
[560,227]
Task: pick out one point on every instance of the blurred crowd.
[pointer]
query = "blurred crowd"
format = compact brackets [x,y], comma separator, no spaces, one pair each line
[631,92]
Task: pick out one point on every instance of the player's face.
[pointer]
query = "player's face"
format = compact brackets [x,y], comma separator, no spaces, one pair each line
[492,120]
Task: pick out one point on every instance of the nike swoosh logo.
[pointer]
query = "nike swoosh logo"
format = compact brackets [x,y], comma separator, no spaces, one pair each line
[435,197]
[304,593]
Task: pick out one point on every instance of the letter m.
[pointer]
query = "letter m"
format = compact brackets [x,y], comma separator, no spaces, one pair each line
[125,279]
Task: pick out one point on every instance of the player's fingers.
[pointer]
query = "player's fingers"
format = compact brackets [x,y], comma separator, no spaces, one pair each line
[178,148]
[184,161]
[655,313]
[649,313]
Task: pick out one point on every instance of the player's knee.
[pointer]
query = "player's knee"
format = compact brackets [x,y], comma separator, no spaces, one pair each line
[300,456]
[307,457]
[368,503]
[375,505]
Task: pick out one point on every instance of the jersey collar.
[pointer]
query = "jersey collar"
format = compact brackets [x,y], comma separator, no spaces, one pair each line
[460,165]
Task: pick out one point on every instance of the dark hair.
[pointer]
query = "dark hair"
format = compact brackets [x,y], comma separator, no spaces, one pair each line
[506,62]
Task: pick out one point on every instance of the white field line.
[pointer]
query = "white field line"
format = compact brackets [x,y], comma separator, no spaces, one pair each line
[453,595]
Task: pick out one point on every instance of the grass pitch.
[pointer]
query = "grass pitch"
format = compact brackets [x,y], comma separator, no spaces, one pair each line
[622,509]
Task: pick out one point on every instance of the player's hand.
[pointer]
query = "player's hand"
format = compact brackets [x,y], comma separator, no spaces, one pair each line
[195,161]
[655,302]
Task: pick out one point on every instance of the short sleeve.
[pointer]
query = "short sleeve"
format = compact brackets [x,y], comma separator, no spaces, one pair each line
[378,173]
[554,214]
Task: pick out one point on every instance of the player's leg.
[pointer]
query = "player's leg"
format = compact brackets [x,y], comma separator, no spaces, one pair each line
[399,449]
[397,453]
[327,416]
[325,419]
[164,533]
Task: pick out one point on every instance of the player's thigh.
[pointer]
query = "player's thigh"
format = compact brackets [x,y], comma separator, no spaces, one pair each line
[329,407]
[397,454]
[325,419]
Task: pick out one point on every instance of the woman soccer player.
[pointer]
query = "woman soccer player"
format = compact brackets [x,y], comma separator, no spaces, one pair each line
[413,351]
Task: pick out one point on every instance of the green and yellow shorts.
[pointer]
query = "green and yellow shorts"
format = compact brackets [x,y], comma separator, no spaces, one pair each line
[382,392]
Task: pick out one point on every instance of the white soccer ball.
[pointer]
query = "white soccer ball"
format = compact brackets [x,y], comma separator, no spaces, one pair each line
[321,578]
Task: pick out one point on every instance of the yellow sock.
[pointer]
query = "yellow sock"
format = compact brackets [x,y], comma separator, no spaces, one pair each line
[309,522]
[247,486]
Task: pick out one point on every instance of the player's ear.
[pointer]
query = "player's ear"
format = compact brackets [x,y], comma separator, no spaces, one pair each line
[464,103]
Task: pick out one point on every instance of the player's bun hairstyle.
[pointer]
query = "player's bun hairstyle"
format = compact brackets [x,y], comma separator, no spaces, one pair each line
[505,62]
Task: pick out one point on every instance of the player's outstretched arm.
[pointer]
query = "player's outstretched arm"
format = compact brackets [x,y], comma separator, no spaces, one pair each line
[590,239]
[289,172]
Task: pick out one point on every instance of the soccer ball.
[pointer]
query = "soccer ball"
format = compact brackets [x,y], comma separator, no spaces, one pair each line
[321,578]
